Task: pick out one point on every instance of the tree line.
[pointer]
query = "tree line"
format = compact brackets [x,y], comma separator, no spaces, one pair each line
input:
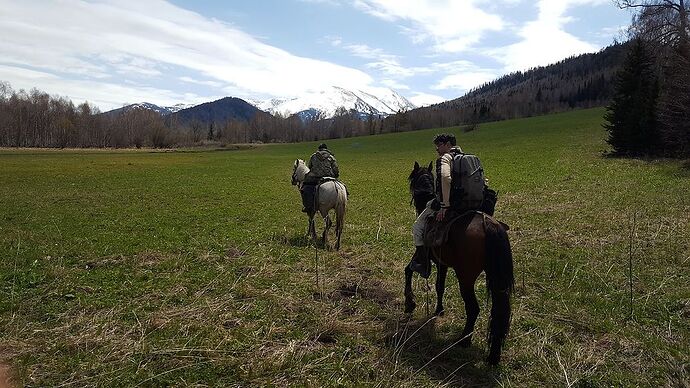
[37,119]
[650,112]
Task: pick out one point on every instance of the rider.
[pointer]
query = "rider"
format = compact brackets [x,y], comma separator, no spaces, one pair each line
[322,164]
[446,148]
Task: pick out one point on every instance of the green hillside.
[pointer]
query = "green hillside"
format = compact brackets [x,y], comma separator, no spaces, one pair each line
[122,268]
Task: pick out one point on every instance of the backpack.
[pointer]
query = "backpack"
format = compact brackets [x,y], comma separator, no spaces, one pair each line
[467,182]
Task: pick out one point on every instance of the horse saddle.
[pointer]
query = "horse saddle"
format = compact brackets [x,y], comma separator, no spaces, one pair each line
[436,232]
[331,179]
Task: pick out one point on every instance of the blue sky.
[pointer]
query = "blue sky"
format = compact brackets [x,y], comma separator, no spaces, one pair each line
[112,53]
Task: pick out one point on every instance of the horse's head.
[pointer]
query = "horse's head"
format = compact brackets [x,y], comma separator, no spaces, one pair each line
[421,185]
[299,170]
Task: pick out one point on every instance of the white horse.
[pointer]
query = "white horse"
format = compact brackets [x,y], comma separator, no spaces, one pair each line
[331,194]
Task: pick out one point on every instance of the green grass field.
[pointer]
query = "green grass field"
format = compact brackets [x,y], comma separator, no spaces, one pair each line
[127,268]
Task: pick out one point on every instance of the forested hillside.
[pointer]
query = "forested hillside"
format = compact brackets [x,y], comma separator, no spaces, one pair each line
[584,81]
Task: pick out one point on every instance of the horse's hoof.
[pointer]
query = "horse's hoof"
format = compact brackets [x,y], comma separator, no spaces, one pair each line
[409,307]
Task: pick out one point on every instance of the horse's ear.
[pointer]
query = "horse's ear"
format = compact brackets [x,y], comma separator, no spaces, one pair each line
[416,165]
[431,164]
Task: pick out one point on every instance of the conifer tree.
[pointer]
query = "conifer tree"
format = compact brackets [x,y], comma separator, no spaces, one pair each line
[631,117]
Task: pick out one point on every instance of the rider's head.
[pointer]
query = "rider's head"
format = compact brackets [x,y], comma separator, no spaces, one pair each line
[445,138]
[322,146]
[444,142]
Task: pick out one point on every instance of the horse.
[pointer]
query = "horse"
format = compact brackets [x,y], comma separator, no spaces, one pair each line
[476,242]
[331,194]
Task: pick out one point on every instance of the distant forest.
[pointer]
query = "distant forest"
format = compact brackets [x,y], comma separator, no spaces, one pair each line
[582,81]
[36,119]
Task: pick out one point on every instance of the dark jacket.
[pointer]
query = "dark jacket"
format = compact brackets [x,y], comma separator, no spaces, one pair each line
[321,164]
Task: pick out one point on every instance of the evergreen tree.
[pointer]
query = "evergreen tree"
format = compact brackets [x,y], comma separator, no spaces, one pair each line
[631,117]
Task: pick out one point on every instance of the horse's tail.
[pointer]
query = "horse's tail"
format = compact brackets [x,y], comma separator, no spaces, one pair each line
[499,283]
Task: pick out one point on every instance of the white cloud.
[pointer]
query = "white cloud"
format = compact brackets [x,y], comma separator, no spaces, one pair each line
[464,81]
[142,37]
[105,95]
[544,40]
[453,25]
[201,82]
[393,84]
[425,99]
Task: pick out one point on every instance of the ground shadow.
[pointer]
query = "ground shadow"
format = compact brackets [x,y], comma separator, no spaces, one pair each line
[416,342]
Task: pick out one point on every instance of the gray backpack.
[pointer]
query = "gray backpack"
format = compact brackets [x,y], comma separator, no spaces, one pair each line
[467,182]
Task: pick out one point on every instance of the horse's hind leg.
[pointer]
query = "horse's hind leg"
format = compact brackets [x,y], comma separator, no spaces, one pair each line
[409,295]
[311,229]
[324,236]
[440,287]
[471,307]
[339,223]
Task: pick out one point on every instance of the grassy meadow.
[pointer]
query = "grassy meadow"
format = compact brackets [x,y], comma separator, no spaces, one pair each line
[191,268]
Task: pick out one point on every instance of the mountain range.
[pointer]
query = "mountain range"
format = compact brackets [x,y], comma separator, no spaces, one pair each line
[324,104]
[162,110]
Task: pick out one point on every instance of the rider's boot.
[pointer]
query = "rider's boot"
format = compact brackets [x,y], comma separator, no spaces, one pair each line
[420,262]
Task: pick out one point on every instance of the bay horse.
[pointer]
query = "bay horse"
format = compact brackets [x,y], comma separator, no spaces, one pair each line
[476,242]
[331,194]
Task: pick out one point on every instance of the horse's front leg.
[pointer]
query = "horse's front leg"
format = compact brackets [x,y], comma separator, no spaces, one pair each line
[409,295]
[440,287]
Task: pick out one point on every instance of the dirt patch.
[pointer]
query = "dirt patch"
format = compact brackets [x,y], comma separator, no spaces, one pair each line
[373,291]
[7,376]
[233,253]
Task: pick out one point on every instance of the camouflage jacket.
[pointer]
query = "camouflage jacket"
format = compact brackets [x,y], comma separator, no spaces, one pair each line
[321,164]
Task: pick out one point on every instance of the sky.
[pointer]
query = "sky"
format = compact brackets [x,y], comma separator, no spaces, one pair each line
[113,53]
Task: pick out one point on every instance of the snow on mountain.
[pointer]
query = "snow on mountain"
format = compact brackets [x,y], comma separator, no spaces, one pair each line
[162,110]
[178,107]
[327,102]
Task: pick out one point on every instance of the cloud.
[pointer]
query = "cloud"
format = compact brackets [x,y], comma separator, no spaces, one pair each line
[544,41]
[105,95]
[464,81]
[425,99]
[453,26]
[201,82]
[90,41]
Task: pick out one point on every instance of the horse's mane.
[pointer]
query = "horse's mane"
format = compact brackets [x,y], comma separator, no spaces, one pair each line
[417,173]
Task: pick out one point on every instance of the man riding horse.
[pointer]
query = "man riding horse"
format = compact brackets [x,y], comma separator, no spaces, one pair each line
[446,148]
[322,164]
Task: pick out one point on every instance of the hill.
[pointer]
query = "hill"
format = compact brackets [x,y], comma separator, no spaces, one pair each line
[582,81]
[167,268]
[219,111]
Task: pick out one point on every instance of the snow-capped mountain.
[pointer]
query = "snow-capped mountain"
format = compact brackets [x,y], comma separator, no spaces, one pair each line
[326,102]
[162,110]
